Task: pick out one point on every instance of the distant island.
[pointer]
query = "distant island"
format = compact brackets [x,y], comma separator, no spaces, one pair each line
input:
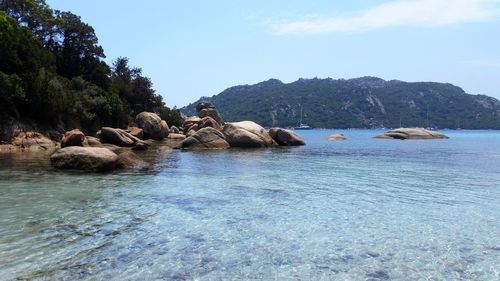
[366,102]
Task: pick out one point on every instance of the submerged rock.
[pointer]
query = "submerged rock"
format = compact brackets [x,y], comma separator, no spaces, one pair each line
[130,160]
[336,137]
[247,134]
[411,134]
[285,137]
[206,138]
[73,138]
[152,125]
[84,158]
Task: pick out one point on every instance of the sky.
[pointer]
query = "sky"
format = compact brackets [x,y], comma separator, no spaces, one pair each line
[199,48]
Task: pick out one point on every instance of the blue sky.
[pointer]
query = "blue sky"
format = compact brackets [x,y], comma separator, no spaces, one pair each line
[198,48]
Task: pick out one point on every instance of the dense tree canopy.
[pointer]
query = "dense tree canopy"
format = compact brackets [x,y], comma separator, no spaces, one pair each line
[366,102]
[52,72]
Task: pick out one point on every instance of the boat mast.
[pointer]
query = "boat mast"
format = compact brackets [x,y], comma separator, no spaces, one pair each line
[300,124]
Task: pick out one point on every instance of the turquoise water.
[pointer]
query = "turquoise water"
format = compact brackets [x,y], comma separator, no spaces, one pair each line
[360,209]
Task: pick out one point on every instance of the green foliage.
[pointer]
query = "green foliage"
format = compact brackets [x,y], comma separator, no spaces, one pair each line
[172,115]
[52,72]
[366,102]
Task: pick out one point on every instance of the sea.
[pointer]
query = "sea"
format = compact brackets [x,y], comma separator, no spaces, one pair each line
[358,209]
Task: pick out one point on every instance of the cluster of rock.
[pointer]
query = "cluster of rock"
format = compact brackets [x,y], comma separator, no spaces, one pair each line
[411,134]
[207,130]
[102,153]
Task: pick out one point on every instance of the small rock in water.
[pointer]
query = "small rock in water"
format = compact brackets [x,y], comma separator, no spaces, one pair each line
[411,134]
[335,137]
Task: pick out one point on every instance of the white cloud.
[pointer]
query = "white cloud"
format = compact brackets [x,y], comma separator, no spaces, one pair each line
[413,13]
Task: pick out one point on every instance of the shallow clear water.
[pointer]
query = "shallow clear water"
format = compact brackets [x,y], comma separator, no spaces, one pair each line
[361,209]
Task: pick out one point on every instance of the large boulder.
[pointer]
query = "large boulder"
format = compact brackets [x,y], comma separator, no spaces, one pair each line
[73,138]
[33,141]
[117,137]
[92,141]
[136,132]
[208,109]
[206,138]
[96,159]
[174,130]
[247,134]
[152,125]
[285,137]
[189,122]
[208,121]
[411,134]
[130,160]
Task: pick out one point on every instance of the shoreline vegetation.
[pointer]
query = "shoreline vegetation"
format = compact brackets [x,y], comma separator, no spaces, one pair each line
[53,76]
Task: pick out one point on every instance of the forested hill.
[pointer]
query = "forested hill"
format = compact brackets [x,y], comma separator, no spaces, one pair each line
[52,74]
[366,102]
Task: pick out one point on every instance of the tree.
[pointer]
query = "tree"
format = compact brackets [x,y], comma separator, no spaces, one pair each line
[80,54]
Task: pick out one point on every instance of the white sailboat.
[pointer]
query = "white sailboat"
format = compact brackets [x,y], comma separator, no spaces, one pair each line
[302,126]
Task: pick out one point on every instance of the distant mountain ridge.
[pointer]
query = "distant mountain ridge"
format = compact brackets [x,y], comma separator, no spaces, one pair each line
[366,102]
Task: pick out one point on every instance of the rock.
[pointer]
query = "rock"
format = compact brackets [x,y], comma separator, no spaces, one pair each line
[176,136]
[190,122]
[206,138]
[247,134]
[174,130]
[204,105]
[33,141]
[141,145]
[8,148]
[411,134]
[286,137]
[92,141]
[84,158]
[152,125]
[73,138]
[336,137]
[130,160]
[205,109]
[211,112]
[207,121]
[136,132]
[112,147]
[117,137]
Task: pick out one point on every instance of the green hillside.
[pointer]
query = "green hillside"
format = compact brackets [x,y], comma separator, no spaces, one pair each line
[366,102]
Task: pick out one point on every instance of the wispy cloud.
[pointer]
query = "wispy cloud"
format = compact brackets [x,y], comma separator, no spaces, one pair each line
[412,13]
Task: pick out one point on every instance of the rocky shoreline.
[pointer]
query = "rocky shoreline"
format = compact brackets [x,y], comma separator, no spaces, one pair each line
[113,148]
